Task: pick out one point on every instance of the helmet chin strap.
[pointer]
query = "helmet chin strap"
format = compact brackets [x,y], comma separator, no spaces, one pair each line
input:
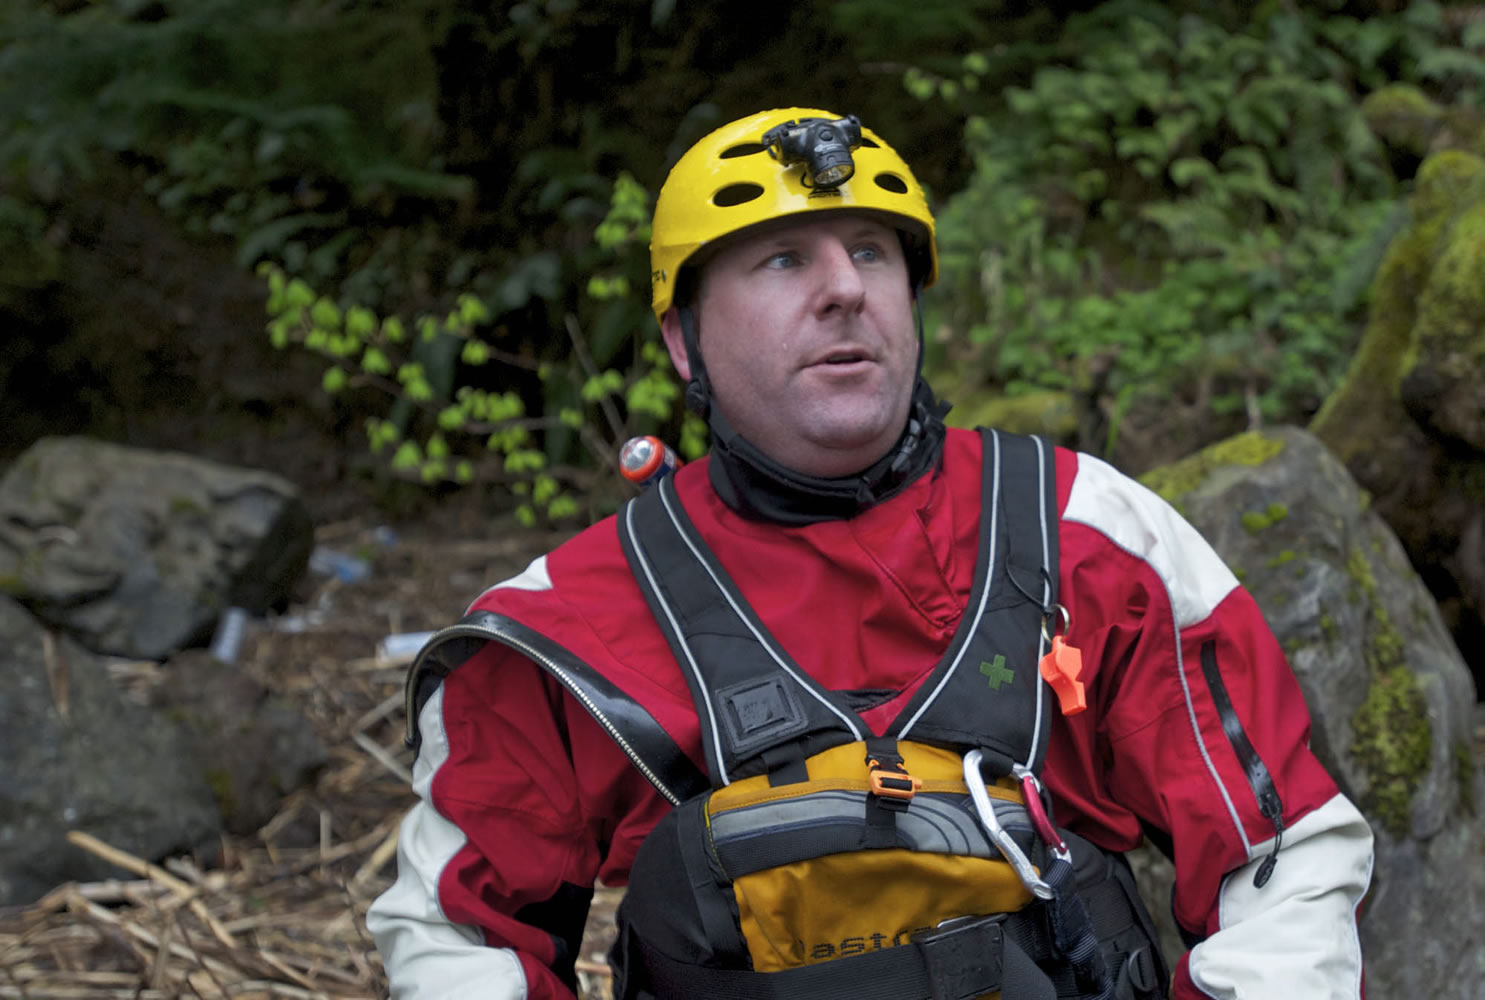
[699,388]
[756,486]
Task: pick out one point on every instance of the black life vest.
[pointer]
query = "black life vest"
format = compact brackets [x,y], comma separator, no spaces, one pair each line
[826,861]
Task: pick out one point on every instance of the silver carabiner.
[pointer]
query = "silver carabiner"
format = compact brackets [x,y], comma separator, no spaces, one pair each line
[1009,849]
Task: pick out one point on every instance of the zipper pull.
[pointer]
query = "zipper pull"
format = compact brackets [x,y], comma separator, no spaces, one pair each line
[1272,809]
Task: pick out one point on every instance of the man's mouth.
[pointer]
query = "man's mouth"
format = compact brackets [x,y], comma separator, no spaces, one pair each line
[844,357]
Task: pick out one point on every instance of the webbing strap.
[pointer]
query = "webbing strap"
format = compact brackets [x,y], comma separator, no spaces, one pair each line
[1072,933]
[959,963]
[750,695]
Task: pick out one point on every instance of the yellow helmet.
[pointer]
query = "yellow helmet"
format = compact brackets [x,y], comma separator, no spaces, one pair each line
[749,171]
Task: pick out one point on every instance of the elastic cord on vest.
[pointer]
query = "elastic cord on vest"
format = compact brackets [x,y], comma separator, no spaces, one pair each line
[759,488]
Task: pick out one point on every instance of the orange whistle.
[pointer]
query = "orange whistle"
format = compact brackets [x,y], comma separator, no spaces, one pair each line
[1061,668]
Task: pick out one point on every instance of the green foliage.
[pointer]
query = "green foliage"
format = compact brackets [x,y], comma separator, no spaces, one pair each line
[285,126]
[1193,208]
[448,426]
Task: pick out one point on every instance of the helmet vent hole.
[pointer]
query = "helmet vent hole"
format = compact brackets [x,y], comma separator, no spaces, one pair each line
[745,149]
[738,194]
[868,143]
[891,182]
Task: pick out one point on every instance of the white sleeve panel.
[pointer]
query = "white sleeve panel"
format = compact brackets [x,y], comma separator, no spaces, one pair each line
[1137,520]
[1297,935]
[426,956]
[533,577]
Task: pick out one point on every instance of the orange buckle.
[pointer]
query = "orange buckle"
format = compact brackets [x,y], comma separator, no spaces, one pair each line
[893,784]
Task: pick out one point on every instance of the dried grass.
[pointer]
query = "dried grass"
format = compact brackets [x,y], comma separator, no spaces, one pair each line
[282,913]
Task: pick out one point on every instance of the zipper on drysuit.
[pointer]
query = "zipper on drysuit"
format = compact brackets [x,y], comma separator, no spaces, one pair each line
[1259,779]
[563,676]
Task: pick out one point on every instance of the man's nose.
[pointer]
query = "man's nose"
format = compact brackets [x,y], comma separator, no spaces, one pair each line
[841,284]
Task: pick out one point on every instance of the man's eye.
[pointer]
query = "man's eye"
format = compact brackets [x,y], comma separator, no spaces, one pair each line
[868,253]
[781,260]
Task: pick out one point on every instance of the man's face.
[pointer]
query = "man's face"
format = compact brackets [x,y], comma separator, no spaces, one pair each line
[807,334]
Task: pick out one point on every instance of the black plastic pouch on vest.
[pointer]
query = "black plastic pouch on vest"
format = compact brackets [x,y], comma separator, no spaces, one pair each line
[677,904]
[1125,930]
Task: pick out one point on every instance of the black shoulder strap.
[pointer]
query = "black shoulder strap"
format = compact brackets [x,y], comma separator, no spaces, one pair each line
[635,731]
[750,695]
[987,691]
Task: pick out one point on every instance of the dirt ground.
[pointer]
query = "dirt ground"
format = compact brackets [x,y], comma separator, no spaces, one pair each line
[282,913]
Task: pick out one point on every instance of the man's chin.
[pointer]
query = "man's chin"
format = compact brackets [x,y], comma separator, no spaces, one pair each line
[849,451]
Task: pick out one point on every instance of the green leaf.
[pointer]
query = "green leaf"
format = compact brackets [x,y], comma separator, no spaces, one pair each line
[408,456]
[334,380]
[562,506]
[437,446]
[1188,169]
[298,294]
[594,389]
[451,418]
[525,460]
[526,516]
[476,352]
[393,330]
[472,311]
[381,433]
[325,314]
[360,322]
[375,362]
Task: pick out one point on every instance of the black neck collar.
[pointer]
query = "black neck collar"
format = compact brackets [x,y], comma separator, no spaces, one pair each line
[761,489]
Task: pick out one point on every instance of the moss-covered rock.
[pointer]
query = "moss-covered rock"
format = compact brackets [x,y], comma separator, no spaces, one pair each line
[1365,413]
[1447,181]
[1445,387]
[1409,417]
[1393,742]
[1403,116]
[1175,480]
[1257,520]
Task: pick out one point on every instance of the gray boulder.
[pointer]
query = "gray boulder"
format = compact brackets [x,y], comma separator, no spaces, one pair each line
[252,746]
[137,553]
[1390,696]
[77,756]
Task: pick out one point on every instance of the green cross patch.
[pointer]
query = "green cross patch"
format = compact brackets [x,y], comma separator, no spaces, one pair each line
[997,672]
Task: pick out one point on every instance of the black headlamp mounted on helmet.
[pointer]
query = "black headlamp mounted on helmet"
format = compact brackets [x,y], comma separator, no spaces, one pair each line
[823,145]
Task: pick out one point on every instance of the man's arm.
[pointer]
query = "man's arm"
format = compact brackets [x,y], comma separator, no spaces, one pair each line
[497,860]
[1203,735]
[426,954]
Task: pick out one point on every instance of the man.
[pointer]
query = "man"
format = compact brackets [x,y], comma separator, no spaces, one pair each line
[848,524]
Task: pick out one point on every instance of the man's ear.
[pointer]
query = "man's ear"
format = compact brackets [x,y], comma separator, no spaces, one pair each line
[675,343]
